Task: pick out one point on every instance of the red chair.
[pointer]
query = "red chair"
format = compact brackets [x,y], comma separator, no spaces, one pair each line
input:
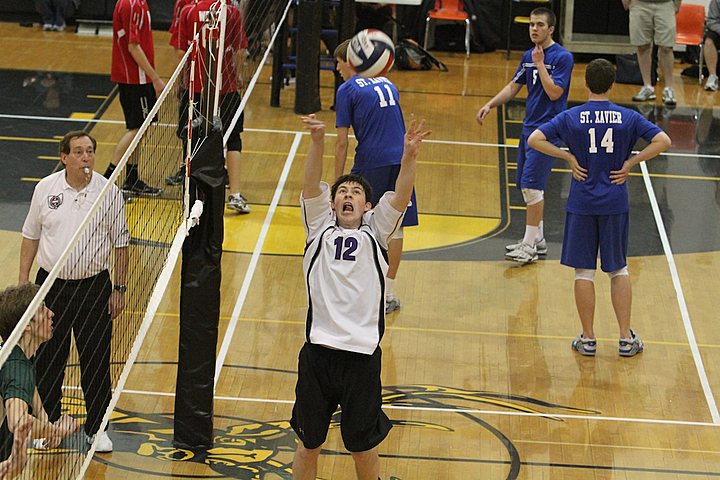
[690,26]
[449,11]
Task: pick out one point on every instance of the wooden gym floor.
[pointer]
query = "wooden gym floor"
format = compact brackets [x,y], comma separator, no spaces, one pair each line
[479,377]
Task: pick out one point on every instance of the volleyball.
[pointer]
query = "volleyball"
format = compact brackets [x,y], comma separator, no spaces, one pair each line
[371,53]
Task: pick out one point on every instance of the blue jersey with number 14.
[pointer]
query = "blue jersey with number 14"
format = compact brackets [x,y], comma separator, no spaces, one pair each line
[371,106]
[538,106]
[601,136]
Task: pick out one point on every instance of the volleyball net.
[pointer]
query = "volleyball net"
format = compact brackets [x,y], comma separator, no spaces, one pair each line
[105,288]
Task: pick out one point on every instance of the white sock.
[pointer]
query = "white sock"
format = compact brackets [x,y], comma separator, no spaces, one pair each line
[712,76]
[541,231]
[531,233]
[389,285]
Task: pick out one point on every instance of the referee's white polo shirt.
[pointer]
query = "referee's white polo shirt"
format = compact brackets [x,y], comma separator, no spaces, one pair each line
[56,212]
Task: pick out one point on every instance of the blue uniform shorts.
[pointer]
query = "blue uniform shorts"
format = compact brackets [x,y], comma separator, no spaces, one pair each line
[586,234]
[533,167]
[382,179]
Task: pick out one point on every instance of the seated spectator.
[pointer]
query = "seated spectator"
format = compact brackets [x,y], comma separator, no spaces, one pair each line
[17,380]
[54,13]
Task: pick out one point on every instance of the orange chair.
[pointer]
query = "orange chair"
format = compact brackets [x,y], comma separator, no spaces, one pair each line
[690,26]
[450,11]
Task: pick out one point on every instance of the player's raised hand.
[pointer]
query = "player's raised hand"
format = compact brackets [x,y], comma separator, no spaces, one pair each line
[315,126]
[414,136]
[538,55]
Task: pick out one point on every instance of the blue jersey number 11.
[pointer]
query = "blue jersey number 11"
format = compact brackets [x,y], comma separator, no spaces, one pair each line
[383,102]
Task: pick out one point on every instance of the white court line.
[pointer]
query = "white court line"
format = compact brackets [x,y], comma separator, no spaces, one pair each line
[461,410]
[254,260]
[328,134]
[681,298]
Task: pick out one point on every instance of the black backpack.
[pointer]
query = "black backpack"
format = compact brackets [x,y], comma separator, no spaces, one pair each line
[411,56]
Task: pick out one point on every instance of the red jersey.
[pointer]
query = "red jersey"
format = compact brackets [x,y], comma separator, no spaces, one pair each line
[177,9]
[131,24]
[235,39]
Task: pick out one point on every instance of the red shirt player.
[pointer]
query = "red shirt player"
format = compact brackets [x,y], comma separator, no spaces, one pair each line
[235,42]
[133,69]
[177,10]
[194,17]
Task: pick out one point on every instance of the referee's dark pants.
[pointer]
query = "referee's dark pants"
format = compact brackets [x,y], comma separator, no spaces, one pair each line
[81,307]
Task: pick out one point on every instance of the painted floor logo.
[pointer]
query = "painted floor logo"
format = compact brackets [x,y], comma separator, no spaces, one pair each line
[251,450]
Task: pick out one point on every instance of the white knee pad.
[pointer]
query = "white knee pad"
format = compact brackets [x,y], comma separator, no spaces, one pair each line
[585,274]
[532,196]
[617,273]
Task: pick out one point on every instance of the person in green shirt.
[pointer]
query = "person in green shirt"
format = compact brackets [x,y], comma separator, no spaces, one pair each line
[20,400]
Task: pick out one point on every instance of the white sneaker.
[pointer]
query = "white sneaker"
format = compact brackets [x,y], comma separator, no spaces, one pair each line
[523,254]
[104,444]
[646,93]
[39,444]
[392,305]
[712,83]
[540,245]
[238,203]
[669,97]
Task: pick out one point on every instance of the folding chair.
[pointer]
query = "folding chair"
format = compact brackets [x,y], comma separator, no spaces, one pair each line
[450,11]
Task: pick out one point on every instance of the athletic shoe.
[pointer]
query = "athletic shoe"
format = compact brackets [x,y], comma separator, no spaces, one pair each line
[104,444]
[712,83]
[38,444]
[584,346]
[391,305]
[141,188]
[178,178]
[523,254]
[47,27]
[629,347]
[540,245]
[238,203]
[646,93]
[669,97]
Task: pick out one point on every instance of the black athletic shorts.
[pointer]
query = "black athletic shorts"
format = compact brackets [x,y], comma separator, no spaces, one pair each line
[136,101]
[328,378]
[228,105]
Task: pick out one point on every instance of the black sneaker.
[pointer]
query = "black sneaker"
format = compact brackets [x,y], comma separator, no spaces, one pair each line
[142,189]
[177,178]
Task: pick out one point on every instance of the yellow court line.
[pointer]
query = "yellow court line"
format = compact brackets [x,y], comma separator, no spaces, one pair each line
[82,115]
[47,157]
[518,207]
[26,139]
[100,97]
[454,332]
[54,139]
[513,121]
[455,164]
[30,179]
[632,447]
[513,166]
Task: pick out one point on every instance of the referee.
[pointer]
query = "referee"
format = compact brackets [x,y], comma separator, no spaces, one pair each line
[83,298]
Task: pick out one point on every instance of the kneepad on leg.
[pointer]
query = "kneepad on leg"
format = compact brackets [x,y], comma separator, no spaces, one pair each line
[585,274]
[618,273]
[532,196]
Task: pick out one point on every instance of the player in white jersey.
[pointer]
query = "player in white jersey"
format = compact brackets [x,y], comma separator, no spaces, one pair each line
[345,264]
